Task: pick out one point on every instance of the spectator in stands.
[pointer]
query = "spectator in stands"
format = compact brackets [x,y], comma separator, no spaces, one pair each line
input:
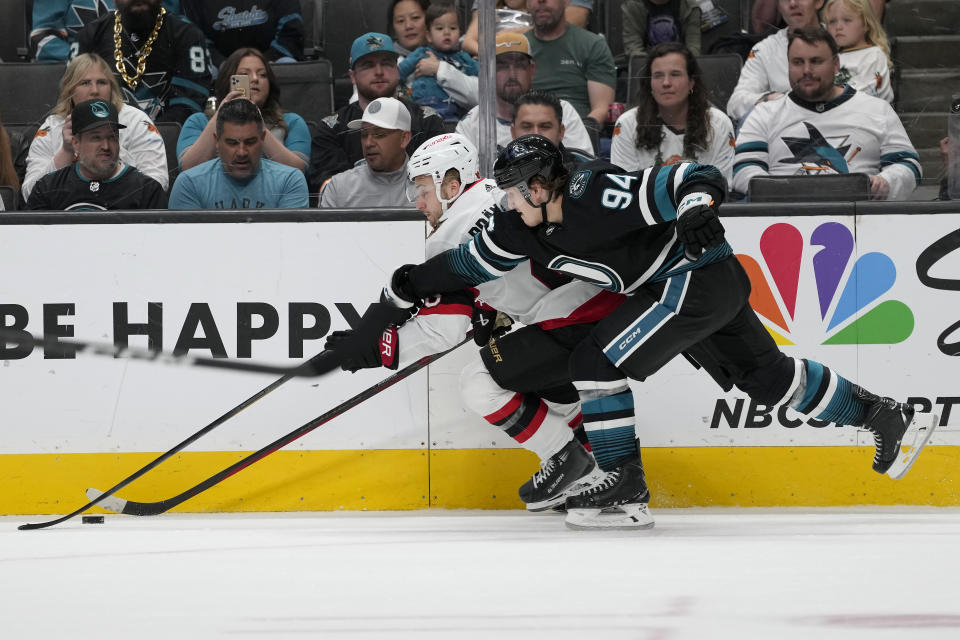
[764,75]
[649,22]
[821,128]
[240,177]
[443,38]
[56,23]
[287,138]
[574,64]
[673,121]
[275,27]
[373,69]
[864,52]
[539,112]
[511,16]
[381,180]
[408,25]
[8,176]
[98,180]
[515,72]
[86,78]
[576,13]
[165,68]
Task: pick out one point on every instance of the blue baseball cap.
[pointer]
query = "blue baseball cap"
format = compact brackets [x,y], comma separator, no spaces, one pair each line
[368,43]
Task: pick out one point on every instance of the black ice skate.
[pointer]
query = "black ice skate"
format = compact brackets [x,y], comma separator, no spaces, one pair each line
[569,471]
[619,502]
[892,423]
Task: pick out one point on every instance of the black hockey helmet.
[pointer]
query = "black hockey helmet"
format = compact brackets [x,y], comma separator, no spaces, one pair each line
[525,158]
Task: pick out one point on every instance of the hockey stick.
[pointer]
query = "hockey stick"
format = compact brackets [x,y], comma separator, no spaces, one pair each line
[320,360]
[130,507]
[67,347]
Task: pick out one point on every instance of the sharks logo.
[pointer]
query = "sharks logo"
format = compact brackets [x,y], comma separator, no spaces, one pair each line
[83,12]
[815,155]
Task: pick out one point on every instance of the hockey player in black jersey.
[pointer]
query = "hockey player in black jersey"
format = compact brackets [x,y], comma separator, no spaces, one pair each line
[654,235]
[163,67]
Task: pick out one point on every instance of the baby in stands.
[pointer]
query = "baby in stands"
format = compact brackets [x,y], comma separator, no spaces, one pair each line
[864,51]
[418,71]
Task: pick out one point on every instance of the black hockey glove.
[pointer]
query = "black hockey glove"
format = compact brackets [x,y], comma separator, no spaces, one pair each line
[488,323]
[355,354]
[698,226]
[374,342]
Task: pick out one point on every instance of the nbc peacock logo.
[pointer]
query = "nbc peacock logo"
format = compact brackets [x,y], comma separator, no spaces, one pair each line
[852,297]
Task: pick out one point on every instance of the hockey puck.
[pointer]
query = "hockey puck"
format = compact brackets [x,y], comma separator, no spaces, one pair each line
[92,519]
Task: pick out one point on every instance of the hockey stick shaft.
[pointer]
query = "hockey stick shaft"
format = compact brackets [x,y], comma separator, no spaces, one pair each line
[67,347]
[320,359]
[131,507]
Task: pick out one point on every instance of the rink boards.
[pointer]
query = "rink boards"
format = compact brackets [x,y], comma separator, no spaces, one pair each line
[876,297]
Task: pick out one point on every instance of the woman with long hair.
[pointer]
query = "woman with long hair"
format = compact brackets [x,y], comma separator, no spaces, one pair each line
[288,138]
[673,121]
[89,77]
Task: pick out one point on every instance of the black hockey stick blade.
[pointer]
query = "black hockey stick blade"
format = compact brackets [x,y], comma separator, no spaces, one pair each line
[67,347]
[320,361]
[131,507]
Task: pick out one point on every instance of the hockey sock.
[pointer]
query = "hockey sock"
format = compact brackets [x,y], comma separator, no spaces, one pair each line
[528,420]
[608,420]
[570,412]
[826,396]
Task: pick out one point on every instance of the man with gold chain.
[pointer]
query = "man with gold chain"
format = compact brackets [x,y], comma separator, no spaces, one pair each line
[160,59]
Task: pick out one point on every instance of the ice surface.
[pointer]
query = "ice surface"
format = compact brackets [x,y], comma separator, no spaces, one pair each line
[821,574]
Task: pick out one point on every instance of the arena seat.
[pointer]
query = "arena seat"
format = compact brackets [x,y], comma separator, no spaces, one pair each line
[847,187]
[9,197]
[14,44]
[306,88]
[170,132]
[21,135]
[30,89]
[343,21]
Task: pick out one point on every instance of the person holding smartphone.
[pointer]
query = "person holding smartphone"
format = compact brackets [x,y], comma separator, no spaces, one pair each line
[287,139]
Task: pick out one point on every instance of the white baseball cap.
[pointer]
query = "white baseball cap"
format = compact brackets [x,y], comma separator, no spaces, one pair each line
[386,113]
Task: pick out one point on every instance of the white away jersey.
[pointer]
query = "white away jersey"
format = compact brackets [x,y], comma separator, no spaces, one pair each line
[866,70]
[529,294]
[765,70]
[853,133]
[625,154]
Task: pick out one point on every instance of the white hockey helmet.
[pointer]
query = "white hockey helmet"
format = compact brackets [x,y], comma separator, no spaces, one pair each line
[438,155]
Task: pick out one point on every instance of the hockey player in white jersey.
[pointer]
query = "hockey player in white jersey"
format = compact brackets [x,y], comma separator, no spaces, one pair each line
[821,128]
[520,383]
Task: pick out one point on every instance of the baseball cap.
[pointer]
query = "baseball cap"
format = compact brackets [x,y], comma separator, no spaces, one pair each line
[512,42]
[368,43]
[386,113]
[94,113]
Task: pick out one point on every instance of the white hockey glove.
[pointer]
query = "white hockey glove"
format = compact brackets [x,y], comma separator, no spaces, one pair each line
[698,226]
[397,292]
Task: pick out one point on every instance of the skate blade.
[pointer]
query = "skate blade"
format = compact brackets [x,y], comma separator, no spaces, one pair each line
[588,481]
[628,517]
[914,440]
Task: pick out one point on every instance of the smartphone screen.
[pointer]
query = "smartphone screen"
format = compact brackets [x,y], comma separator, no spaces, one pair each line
[240,83]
